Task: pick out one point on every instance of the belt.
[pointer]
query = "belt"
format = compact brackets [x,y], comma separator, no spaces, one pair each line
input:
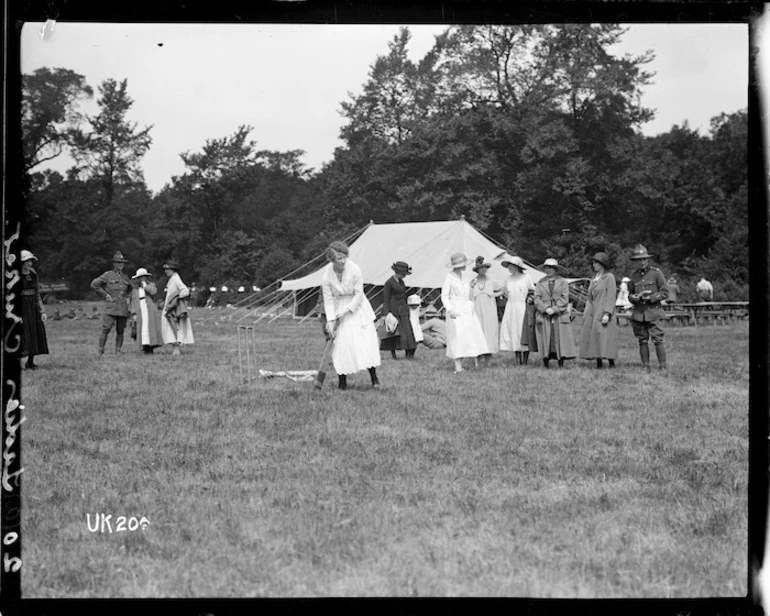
[28,292]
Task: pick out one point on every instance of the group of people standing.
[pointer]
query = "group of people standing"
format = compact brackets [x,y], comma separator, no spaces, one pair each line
[537,316]
[134,298]
[126,300]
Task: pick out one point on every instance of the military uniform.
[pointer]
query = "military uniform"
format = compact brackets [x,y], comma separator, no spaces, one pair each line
[115,287]
[646,290]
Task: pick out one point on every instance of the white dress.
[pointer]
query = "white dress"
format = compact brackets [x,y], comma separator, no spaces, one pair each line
[515,289]
[414,319]
[356,346]
[465,338]
[184,333]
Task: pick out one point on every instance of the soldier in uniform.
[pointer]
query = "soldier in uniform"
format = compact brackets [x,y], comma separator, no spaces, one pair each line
[115,287]
[646,290]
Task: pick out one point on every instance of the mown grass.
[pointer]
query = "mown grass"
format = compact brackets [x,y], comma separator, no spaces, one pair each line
[507,481]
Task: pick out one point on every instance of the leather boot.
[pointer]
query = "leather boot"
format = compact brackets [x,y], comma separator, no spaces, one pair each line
[599,363]
[560,362]
[393,355]
[519,359]
[660,351]
[525,357]
[373,374]
[118,342]
[545,362]
[343,381]
[644,353]
[102,342]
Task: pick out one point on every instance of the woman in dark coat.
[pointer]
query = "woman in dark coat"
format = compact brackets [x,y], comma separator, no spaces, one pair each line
[599,336]
[394,307]
[33,338]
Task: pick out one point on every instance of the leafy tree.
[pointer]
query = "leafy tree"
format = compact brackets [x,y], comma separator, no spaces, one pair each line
[111,151]
[49,112]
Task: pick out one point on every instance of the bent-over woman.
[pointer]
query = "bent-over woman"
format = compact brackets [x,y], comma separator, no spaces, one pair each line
[349,317]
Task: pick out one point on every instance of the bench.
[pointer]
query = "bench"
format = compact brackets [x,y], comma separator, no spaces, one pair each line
[680,318]
[714,315]
[48,290]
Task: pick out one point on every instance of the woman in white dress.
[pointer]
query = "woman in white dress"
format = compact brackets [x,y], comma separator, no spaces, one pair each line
[517,286]
[175,325]
[349,317]
[484,292]
[465,338]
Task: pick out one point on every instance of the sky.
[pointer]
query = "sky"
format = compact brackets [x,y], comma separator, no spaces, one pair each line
[194,82]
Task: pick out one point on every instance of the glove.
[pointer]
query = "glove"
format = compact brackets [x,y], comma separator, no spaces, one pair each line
[605,319]
[43,316]
[549,311]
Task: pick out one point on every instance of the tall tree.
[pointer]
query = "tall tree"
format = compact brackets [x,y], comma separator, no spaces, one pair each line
[111,151]
[49,108]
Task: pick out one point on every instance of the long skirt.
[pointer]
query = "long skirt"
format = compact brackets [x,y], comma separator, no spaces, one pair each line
[528,337]
[486,311]
[465,338]
[356,346]
[33,338]
[148,326]
[405,340]
[510,329]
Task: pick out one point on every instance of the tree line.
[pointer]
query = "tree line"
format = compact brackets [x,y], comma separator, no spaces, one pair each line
[531,132]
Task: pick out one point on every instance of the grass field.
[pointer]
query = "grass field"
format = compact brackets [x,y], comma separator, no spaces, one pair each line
[506,481]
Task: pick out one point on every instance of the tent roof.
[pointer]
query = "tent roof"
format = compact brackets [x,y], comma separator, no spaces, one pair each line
[426,246]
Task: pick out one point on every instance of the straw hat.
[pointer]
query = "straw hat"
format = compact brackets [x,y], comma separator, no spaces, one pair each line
[26,255]
[140,272]
[515,261]
[458,260]
[550,263]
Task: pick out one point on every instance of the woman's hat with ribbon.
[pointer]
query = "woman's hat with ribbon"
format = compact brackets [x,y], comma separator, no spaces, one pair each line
[480,262]
[171,264]
[515,261]
[458,260]
[140,272]
[550,262]
[401,268]
[26,255]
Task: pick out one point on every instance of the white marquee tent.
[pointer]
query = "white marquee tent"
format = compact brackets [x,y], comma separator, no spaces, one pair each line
[426,246]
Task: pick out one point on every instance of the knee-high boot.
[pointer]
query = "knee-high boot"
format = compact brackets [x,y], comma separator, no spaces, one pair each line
[660,351]
[644,353]
[118,342]
[102,341]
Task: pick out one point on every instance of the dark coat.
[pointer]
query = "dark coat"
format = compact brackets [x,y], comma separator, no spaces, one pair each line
[558,300]
[394,302]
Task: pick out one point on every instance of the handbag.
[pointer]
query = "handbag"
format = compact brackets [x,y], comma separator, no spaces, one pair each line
[133,330]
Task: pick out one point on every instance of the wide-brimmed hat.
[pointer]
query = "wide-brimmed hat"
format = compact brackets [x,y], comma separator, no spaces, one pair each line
[26,255]
[171,264]
[550,263]
[458,259]
[480,262]
[515,261]
[401,268]
[140,272]
[639,252]
[603,258]
[414,300]
[118,257]
[625,279]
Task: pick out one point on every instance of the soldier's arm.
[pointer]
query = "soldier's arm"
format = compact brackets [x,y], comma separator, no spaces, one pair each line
[98,284]
[662,292]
